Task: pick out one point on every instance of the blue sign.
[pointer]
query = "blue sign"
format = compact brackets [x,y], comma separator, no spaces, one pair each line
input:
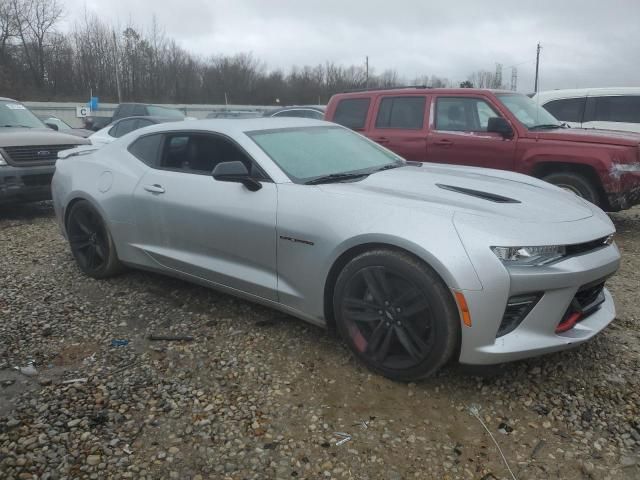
[93,104]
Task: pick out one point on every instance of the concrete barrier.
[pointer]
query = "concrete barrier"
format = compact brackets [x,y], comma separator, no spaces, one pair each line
[67,110]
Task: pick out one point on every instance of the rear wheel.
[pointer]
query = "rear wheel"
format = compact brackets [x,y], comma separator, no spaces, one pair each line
[90,242]
[576,183]
[396,314]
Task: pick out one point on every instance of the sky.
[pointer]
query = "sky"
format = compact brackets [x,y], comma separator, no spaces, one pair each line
[585,43]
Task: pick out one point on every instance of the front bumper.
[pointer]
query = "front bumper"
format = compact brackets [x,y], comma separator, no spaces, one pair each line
[536,334]
[623,190]
[25,184]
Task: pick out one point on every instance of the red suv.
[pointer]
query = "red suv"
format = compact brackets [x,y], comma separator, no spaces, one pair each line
[496,129]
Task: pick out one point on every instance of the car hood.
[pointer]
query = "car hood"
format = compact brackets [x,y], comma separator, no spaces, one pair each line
[477,191]
[19,137]
[589,135]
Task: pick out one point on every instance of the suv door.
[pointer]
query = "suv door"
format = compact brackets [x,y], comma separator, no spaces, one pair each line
[458,134]
[191,223]
[613,112]
[400,124]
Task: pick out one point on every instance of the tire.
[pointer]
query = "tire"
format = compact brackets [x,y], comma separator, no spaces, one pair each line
[91,244]
[410,337]
[576,183]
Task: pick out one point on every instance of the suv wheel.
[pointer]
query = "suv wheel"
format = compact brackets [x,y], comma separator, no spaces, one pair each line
[396,315]
[576,183]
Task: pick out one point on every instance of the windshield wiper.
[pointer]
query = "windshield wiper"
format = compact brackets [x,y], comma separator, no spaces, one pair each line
[546,126]
[16,126]
[335,177]
[389,167]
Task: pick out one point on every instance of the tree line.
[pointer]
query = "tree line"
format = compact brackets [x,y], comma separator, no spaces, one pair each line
[39,62]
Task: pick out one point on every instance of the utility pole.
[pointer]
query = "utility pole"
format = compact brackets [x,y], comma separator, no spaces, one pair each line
[535,88]
[366,64]
[115,60]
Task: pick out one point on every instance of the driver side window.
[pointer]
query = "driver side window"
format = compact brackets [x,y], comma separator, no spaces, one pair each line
[463,114]
[199,153]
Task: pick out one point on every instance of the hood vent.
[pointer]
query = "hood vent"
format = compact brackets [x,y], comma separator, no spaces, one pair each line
[492,197]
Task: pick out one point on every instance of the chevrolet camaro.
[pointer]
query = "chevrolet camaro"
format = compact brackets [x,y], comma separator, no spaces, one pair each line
[414,264]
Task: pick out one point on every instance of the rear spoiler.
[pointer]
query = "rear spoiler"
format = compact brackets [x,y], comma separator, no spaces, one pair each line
[77,151]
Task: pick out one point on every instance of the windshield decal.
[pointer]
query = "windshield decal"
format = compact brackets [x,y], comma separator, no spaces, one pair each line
[15,106]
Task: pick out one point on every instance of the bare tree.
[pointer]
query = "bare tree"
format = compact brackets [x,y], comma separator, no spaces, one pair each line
[35,22]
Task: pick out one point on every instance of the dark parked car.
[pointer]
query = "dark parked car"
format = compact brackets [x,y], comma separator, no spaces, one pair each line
[59,125]
[125,110]
[123,126]
[303,111]
[235,114]
[496,129]
[28,153]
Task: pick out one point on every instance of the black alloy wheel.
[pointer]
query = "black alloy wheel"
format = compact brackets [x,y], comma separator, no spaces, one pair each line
[90,241]
[396,314]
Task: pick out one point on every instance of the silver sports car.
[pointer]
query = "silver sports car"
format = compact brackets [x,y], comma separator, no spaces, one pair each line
[414,264]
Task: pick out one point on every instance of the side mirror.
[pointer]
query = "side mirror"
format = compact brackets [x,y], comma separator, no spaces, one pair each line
[235,172]
[501,126]
[52,126]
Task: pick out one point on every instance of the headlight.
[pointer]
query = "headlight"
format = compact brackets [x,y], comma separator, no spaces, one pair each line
[3,162]
[529,256]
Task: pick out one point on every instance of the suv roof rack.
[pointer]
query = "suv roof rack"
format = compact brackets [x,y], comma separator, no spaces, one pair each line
[368,89]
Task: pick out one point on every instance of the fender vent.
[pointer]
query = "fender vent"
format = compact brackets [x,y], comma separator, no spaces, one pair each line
[492,197]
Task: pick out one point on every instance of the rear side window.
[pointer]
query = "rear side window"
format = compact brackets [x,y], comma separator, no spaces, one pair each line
[146,149]
[567,109]
[401,112]
[352,112]
[123,127]
[623,108]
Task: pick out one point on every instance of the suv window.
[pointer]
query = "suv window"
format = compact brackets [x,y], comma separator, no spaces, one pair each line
[623,108]
[200,153]
[463,114]
[146,148]
[123,127]
[567,109]
[125,110]
[352,112]
[139,110]
[401,112]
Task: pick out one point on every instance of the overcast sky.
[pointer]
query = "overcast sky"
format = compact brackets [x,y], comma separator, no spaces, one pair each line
[585,42]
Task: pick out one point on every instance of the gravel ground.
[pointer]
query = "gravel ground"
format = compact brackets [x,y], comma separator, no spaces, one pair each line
[260,395]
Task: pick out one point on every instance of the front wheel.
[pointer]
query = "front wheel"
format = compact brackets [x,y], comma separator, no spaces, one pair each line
[576,183]
[396,315]
[90,242]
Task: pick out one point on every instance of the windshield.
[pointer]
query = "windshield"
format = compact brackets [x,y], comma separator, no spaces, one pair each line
[156,111]
[312,152]
[13,114]
[527,111]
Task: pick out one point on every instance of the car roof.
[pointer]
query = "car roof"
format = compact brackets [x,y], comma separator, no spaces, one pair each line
[420,90]
[586,92]
[239,126]
[147,117]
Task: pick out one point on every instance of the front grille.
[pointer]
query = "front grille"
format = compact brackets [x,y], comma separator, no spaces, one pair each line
[585,302]
[37,180]
[580,248]
[588,295]
[34,155]
[518,308]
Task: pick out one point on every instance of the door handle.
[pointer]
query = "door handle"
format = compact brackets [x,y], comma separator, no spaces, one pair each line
[381,140]
[444,142]
[155,188]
